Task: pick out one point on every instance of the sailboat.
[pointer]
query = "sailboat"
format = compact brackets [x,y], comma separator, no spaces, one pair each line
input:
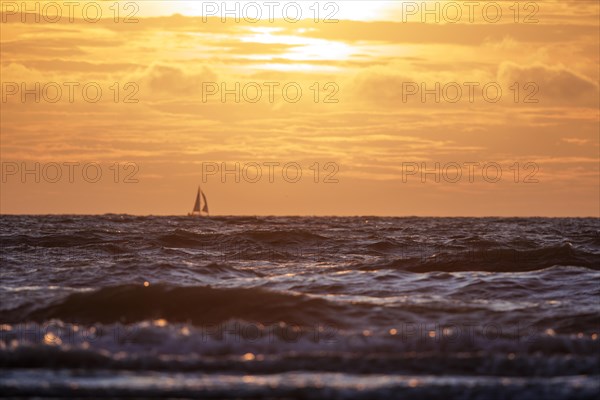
[200,206]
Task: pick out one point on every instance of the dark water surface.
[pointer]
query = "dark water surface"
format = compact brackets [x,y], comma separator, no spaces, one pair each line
[465,308]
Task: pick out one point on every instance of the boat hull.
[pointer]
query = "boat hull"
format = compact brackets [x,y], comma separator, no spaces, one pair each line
[197,215]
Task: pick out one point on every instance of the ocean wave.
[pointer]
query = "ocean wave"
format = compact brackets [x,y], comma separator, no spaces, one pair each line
[495,260]
[304,385]
[237,346]
[197,304]
[185,238]
[78,238]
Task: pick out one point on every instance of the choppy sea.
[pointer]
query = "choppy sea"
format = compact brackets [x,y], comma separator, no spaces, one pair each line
[300,307]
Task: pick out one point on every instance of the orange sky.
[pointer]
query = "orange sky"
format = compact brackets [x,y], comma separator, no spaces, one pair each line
[373,134]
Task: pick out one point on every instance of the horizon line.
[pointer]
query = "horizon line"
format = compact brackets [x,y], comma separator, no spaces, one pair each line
[302,215]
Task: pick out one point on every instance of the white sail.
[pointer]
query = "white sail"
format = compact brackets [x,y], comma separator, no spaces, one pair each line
[205,208]
[197,204]
[200,205]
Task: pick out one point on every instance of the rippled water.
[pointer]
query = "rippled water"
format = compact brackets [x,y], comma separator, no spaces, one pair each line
[300,307]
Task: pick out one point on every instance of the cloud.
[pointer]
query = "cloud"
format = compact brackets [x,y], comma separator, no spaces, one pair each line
[459,34]
[576,141]
[557,85]
[69,66]
[162,79]
[397,86]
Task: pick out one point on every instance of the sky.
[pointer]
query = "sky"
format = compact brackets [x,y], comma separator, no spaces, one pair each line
[396,108]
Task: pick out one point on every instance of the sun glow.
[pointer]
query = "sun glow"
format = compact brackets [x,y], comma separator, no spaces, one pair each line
[304,48]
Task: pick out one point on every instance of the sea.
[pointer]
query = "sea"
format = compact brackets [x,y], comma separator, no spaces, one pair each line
[121,306]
